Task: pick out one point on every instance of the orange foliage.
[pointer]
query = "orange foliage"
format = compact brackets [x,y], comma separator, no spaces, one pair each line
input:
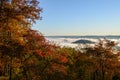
[63,59]
[39,53]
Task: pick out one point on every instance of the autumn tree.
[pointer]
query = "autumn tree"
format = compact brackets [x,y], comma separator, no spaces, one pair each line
[106,59]
[16,18]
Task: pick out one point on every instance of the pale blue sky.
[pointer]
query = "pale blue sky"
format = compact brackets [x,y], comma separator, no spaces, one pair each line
[79,17]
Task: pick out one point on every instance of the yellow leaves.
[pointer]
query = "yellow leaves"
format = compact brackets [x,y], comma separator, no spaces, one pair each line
[20,40]
[16,31]
[15,27]
[16,70]
[16,64]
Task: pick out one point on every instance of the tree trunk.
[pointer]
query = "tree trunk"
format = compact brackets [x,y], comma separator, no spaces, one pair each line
[10,73]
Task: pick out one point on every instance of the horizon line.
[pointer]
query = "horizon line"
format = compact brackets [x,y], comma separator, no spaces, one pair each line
[81,35]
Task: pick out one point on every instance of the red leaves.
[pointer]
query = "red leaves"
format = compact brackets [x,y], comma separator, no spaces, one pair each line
[64,59]
[39,53]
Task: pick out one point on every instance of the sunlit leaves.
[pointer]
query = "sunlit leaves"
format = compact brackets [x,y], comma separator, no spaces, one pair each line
[27,9]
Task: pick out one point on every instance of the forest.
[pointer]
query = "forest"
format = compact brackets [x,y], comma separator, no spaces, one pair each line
[26,55]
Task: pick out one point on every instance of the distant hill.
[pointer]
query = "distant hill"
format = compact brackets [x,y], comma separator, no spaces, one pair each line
[82,41]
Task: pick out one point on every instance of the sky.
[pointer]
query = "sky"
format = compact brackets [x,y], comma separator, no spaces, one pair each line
[79,17]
